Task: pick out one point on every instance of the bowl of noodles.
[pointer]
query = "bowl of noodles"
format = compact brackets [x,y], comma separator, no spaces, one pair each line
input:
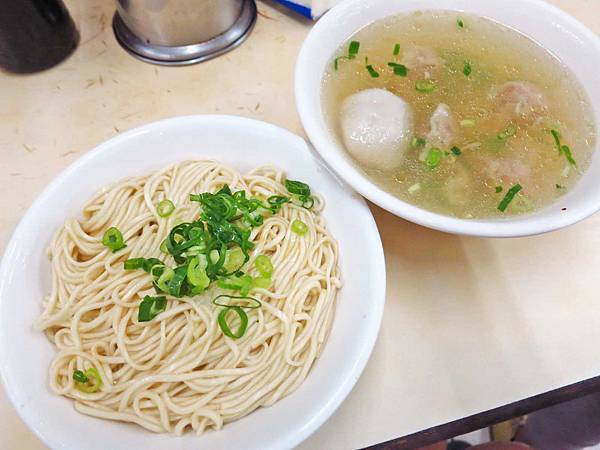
[193,282]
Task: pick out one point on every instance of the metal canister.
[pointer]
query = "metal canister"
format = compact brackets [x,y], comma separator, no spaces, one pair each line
[178,32]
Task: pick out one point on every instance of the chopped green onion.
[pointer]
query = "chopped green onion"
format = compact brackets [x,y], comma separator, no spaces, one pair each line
[456,151]
[434,157]
[563,149]
[556,137]
[498,189]
[176,283]
[79,377]
[233,283]
[509,197]
[246,285]
[426,86]
[261,282]
[234,260]
[336,62]
[254,303]
[460,23]
[467,123]
[413,189]
[196,272]
[297,187]
[299,227]
[352,52]
[92,383]
[307,202]
[165,208]
[417,142]
[372,72]
[142,263]
[151,307]
[163,247]
[150,263]
[134,263]
[302,190]
[113,239]
[567,152]
[467,69]
[396,49]
[353,49]
[509,131]
[558,186]
[214,247]
[222,320]
[264,266]
[214,256]
[399,69]
[165,278]
[276,202]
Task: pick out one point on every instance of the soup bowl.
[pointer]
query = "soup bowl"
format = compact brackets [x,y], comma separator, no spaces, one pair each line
[571,42]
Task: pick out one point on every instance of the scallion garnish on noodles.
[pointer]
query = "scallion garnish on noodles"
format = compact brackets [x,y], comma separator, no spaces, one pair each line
[236,304]
[263,265]
[222,321]
[299,227]
[243,301]
[302,190]
[113,239]
[79,377]
[88,382]
[165,208]
[215,248]
[151,307]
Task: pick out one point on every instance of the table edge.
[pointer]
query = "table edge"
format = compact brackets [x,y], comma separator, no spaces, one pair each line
[486,418]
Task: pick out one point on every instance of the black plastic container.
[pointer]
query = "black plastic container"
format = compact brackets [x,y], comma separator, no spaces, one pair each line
[35,34]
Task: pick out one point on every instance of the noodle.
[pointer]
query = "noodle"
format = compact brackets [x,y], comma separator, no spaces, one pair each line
[178,371]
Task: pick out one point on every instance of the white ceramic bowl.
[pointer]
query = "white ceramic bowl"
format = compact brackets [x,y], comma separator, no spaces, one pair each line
[574,44]
[244,144]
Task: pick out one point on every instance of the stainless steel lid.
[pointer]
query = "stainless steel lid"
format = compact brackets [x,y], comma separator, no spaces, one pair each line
[166,36]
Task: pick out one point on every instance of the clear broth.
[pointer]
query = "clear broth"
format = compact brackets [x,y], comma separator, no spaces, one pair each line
[473,183]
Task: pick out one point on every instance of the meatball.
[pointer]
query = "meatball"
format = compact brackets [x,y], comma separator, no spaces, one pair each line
[417,57]
[443,127]
[376,127]
[520,101]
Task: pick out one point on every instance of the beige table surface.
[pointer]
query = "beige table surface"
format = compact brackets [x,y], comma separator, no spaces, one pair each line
[470,324]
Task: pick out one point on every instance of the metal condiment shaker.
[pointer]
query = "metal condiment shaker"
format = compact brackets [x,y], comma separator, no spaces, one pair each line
[180,32]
